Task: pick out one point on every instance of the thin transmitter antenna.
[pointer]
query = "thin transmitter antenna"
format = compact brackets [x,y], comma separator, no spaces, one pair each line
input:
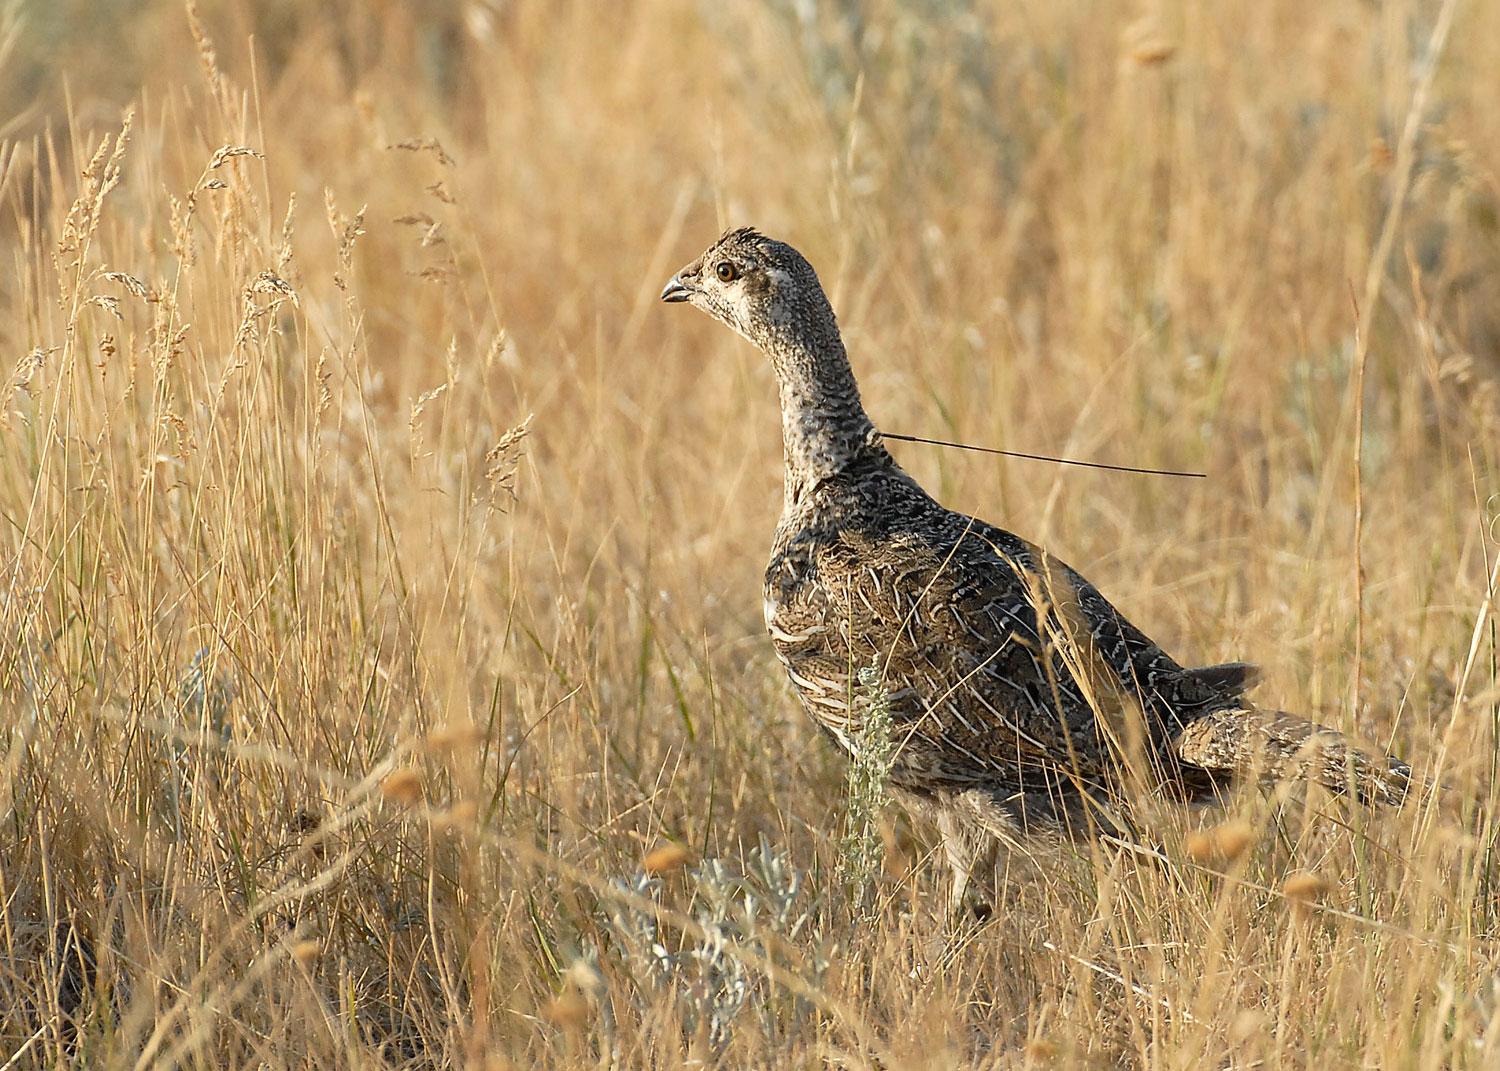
[1044,457]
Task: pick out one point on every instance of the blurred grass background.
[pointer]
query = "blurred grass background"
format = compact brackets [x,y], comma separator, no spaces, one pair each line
[381,561]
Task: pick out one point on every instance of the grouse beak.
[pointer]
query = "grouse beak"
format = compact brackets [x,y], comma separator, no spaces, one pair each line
[675,291]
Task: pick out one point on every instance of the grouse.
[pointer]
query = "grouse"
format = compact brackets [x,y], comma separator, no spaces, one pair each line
[1021,701]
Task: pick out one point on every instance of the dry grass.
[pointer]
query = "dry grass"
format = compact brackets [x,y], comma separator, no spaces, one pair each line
[344,709]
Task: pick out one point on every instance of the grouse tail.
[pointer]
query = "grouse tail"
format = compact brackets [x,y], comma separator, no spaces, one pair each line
[1275,746]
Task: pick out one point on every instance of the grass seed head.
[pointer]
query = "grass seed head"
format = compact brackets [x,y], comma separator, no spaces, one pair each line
[1146,43]
[403,787]
[1224,842]
[460,816]
[572,1007]
[305,953]
[1040,1051]
[666,859]
[1304,886]
[457,736]
[568,1010]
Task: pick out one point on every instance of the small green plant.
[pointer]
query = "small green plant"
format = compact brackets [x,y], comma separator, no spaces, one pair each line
[873,751]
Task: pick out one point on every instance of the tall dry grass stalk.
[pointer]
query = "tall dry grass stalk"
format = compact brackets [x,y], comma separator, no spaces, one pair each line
[381,565]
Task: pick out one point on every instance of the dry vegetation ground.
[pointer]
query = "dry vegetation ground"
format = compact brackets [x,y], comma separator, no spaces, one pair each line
[341,714]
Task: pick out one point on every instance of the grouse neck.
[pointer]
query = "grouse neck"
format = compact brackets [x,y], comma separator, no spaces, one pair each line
[824,427]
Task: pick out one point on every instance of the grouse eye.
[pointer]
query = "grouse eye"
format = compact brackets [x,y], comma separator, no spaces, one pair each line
[726,272]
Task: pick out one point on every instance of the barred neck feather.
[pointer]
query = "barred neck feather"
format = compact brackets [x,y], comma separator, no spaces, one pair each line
[824,427]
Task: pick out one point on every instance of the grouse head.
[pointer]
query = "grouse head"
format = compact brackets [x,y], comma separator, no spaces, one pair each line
[762,288]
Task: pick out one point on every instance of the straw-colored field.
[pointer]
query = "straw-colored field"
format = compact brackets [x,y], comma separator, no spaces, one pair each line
[343,706]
